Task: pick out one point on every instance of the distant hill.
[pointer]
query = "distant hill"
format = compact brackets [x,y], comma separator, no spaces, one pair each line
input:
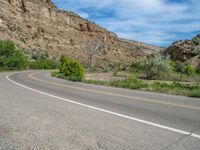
[39,24]
[186,51]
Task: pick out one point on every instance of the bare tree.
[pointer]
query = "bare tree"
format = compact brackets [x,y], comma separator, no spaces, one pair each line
[92,47]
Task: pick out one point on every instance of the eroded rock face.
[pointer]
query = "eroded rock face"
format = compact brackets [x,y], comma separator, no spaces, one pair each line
[38,24]
[181,50]
[184,49]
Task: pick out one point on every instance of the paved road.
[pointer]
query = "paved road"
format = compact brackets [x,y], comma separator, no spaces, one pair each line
[38,111]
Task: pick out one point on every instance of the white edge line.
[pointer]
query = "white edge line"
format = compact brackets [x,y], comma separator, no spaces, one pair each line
[107,111]
[195,135]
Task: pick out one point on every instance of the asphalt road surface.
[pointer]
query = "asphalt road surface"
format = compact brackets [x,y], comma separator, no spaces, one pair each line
[39,112]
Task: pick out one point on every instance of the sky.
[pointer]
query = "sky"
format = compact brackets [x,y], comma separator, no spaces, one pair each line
[156,22]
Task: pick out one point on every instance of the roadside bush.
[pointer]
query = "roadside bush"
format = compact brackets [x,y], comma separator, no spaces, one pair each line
[11,58]
[135,67]
[116,70]
[156,66]
[36,55]
[173,65]
[189,70]
[106,68]
[41,60]
[180,68]
[70,69]
[43,64]
[17,61]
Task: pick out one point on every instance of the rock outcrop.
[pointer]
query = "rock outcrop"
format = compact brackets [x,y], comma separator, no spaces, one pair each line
[39,24]
[186,50]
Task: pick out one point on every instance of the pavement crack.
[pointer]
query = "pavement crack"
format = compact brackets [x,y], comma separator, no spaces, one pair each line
[178,140]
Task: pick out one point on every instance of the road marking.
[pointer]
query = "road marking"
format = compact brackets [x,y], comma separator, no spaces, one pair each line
[114,94]
[107,111]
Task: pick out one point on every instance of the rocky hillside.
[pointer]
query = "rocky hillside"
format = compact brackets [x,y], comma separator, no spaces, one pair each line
[38,24]
[186,51]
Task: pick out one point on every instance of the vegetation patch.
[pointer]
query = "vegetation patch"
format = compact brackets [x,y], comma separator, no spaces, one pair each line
[43,64]
[12,58]
[156,67]
[41,60]
[191,90]
[176,78]
[69,69]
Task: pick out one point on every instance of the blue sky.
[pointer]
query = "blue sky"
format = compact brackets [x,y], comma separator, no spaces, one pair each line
[157,22]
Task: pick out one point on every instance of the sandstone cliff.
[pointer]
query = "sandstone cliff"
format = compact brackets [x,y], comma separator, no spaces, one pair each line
[38,24]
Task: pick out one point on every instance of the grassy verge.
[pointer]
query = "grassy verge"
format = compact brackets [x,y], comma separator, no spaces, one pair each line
[175,88]
[61,76]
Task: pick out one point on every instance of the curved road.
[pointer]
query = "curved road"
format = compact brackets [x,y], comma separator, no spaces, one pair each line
[38,111]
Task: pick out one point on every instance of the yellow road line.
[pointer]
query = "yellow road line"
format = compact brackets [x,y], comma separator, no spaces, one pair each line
[114,94]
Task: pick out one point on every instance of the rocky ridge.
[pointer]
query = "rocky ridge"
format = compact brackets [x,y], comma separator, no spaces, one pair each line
[39,24]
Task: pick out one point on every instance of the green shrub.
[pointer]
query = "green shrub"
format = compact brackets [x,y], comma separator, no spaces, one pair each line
[180,68]
[43,64]
[106,68]
[173,65]
[189,70]
[17,62]
[54,73]
[135,67]
[36,55]
[196,41]
[116,70]
[156,66]
[11,58]
[7,48]
[41,60]
[71,69]
[194,93]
